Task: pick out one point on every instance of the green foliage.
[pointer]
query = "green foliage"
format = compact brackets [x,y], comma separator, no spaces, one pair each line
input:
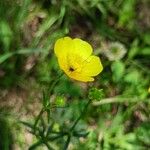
[143,133]
[118,69]
[96,94]
[146,38]
[127,13]
[117,113]
[6,34]
[5,135]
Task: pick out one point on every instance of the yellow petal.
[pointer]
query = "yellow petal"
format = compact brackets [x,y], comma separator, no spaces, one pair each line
[81,48]
[62,46]
[92,66]
[63,63]
[80,77]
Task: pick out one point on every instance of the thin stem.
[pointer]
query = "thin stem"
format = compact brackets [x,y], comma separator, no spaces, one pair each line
[49,93]
[75,123]
[38,118]
[50,89]
[81,115]
[67,142]
[117,100]
[35,145]
[56,137]
[48,146]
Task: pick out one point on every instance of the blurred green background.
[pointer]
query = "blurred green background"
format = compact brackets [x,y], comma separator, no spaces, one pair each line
[118,30]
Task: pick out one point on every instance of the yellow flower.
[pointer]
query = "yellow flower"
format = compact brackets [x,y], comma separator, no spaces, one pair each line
[76,60]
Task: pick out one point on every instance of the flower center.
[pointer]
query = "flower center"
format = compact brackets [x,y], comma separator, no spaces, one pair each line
[71,69]
[75,63]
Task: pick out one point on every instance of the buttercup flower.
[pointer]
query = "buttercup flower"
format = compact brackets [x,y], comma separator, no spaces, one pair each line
[76,60]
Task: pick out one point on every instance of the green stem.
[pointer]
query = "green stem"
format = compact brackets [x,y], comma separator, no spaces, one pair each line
[67,142]
[56,137]
[48,146]
[38,118]
[75,123]
[35,145]
[81,115]
[49,93]
[50,89]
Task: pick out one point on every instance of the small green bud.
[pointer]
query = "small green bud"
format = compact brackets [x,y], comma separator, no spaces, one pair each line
[56,127]
[60,101]
[96,94]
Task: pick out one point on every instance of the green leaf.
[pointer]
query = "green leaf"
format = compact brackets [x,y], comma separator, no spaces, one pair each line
[145,51]
[29,50]
[143,133]
[80,133]
[5,34]
[132,77]
[5,57]
[146,38]
[47,24]
[118,69]
[127,13]
[27,124]
[35,145]
[23,12]
[133,51]
[45,100]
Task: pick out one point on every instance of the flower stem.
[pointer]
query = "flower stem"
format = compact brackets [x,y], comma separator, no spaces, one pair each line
[67,142]
[49,92]
[51,87]
[38,118]
[81,115]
